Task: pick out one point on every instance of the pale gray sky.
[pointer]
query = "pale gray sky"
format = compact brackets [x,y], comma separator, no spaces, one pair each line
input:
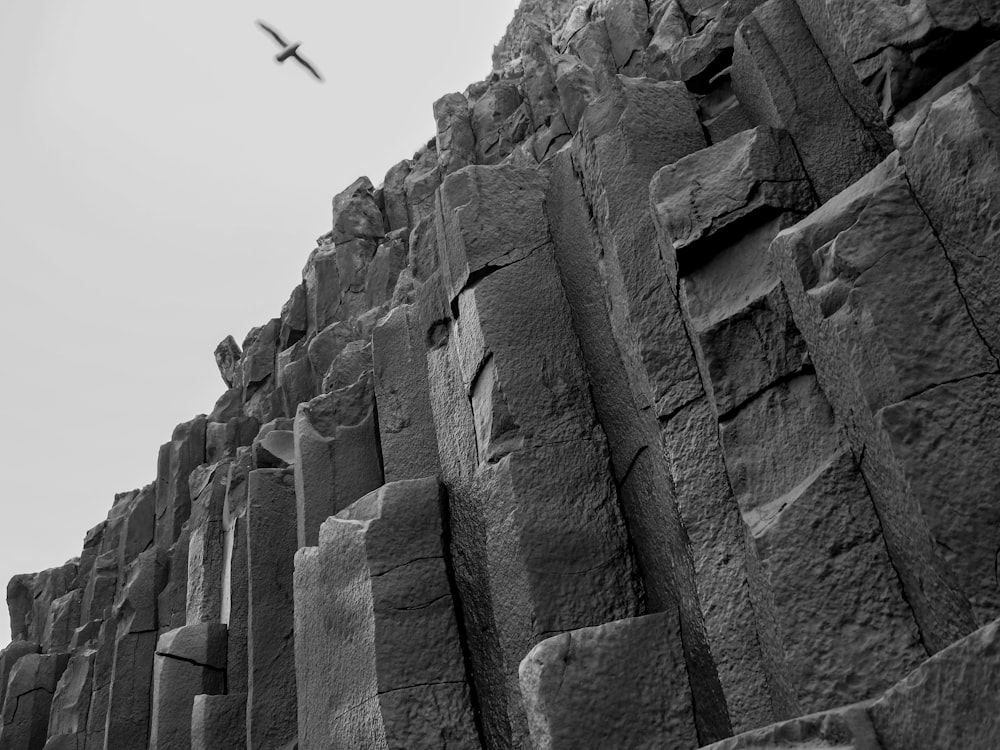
[162,181]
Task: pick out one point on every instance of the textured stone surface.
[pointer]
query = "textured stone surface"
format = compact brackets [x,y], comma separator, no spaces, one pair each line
[374,610]
[783,79]
[271,544]
[30,687]
[189,661]
[721,461]
[619,685]
[219,722]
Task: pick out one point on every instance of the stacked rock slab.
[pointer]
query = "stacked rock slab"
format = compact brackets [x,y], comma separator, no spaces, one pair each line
[652,402]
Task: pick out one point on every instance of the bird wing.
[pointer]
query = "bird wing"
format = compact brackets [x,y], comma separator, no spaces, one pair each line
[308,66]
[272,32]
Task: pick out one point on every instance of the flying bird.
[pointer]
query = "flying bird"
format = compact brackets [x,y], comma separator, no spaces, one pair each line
[289,50]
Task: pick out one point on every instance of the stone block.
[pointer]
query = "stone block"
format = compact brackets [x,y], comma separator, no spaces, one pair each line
[271,544]
[62,620]
[207,550]
[406,424]
[784,79]
[456,143]
[948,701]
[70,707]
[356,213]
[30,687]
[219,722]
[336,454]
[754,172]
[189,661]
[619,685]
[487,217]
[9,656]
[177,460]
[628,133]
[378,660]
[844,728]
[227,357]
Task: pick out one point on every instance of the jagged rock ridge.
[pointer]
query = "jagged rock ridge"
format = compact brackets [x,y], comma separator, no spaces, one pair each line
[654,403]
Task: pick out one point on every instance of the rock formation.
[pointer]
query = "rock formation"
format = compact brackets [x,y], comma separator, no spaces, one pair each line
[654,403]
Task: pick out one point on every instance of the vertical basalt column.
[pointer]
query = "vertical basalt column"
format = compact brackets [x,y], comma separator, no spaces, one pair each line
[189,661]
[379,658]
[135,618]
[207,549]
[819,572]
[271,545]
[896,345]
[538,539]
[634,128]
[26,706]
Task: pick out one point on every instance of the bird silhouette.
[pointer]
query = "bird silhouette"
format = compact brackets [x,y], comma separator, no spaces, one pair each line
[289,50]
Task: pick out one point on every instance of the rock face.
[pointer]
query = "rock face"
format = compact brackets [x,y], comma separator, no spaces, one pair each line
[653,403]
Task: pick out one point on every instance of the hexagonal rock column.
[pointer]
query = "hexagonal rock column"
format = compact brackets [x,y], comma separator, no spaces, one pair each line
[271,545]
[539,542]
[207,549]
[177,459]
[26,705]
[406,424]
[844,728]
[189,661]
[783,79]
[378,652]
[616,686]
[904,364]
[336,454]
[9,656]
[818,568]
[70,708]
[127,724]
[219,722]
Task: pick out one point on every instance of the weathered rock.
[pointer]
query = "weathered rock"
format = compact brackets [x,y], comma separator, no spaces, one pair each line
[219,722]
[847,728]
[293,318]
[273,446]
[397,214]
[70,707]
[716,188]
[19,604]
[271,544]
[406,424]
[128,700]
[783,79]
[32,682]
[619,685]
[9,656]
[177,460]
[356,213]
[948,701]
[456,143]
[207,551]
[421,183]
[625,136]
[101,684]
[189,661]
[392,648]
[336,454]
[227,357]
[99,596]
[62,620]
[884,323]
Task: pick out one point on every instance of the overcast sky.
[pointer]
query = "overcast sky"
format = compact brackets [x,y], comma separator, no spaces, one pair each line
[162,181]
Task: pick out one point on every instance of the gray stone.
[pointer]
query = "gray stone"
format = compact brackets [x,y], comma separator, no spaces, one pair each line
[235,577]
[397,214]
[128,700]
[846,728]
[189,661]
[227,357]
[219,722]
[70,707]
[336,454]
[406,424]
[62,620]
[32,682]
[177,460]
[948,701]
[378,659]
[271,545]
[783,79]
[207,550]
[456,143]
[19,604]
[619,685]
[356,213]
[9,656]
[626,135]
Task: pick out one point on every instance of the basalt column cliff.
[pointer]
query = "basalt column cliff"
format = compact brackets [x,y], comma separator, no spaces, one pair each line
[655,403]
